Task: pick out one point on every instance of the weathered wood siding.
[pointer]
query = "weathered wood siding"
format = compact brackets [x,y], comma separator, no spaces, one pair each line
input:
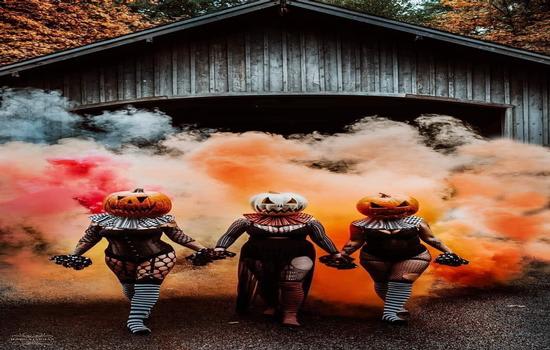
[289,58]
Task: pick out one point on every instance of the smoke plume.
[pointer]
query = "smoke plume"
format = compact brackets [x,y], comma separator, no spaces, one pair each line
[486,199]
[36,116]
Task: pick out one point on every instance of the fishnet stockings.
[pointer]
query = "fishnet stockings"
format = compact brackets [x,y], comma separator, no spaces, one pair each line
[401,271]
[152,270]
[125,271]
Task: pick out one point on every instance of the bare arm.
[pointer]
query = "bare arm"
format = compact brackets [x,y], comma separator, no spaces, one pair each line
[90,239]
[319,236]
[356,240]
[427,236]
[177,235]
[237,228]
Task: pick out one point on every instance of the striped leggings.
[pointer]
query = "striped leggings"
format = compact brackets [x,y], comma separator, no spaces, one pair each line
[393,280]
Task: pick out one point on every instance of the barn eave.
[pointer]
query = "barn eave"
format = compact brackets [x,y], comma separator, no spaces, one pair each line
[149,34]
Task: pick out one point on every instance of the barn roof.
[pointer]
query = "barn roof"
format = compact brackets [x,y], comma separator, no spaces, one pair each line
[359,17]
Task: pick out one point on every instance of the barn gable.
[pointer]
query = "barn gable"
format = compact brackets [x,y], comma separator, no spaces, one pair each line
[295,50]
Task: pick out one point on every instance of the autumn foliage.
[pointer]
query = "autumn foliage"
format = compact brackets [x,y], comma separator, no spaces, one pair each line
[521,24]
[30,28]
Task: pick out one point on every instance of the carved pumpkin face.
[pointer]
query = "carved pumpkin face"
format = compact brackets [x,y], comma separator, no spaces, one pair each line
[274,203]
[137,204]
[386,206]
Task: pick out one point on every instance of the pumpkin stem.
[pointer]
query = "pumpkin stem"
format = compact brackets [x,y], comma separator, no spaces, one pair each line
[383,195]
[138,190]
[272,192]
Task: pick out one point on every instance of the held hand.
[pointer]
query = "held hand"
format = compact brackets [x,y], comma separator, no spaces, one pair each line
[222,253]
[207,255]
[338,261]
[202,257]
[77,262]
[451,259]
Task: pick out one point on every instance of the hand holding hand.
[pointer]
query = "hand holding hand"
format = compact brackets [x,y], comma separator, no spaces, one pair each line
[222,253]
[338,261]
[202,257]
[207,255]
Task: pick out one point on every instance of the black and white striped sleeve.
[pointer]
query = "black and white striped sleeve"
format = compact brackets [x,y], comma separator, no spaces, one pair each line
[176,234]
[90,239]
[414,220]
[318,235]
[237,228]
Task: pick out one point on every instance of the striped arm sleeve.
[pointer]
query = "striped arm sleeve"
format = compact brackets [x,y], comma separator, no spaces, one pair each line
[176,234]
[90,239]
[318,235]
[237,228]
[414,220]
[356,239]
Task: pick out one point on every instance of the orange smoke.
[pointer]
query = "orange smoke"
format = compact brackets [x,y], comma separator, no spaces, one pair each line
[488,201]
[486,233]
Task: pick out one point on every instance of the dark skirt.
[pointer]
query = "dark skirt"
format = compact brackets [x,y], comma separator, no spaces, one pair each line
[395,253]
[261,264]
[278,252]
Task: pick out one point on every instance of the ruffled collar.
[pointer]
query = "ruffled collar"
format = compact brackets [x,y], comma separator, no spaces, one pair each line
[118,222]
[283,220]
[389,224]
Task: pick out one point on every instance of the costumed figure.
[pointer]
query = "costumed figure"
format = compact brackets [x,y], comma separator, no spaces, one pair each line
[277,261]
[391,252]
[133,224]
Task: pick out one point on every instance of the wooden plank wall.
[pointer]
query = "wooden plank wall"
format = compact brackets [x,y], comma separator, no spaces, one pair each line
[283,60]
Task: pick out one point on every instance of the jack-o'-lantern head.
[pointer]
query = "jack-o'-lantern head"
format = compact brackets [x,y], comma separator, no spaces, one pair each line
[386,206]
[276,204]
[137,204]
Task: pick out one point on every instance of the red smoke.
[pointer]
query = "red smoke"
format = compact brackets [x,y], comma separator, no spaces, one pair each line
[96,173]
[59,183]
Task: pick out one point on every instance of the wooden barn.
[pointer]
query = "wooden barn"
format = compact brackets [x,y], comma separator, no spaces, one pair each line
[297,65]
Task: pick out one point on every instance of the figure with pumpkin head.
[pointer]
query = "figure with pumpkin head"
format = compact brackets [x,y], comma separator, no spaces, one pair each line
[133,224]
[277,261]
[391,251]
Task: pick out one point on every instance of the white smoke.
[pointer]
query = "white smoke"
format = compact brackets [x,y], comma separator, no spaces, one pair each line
[131,126]
[37,116]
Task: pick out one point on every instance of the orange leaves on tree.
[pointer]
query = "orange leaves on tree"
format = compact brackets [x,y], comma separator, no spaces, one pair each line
[524,25]
[32,28]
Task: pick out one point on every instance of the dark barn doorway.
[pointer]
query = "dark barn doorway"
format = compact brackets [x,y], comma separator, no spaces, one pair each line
[290,114]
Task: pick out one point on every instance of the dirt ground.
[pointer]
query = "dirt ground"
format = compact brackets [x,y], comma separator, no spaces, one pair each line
[514,316]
